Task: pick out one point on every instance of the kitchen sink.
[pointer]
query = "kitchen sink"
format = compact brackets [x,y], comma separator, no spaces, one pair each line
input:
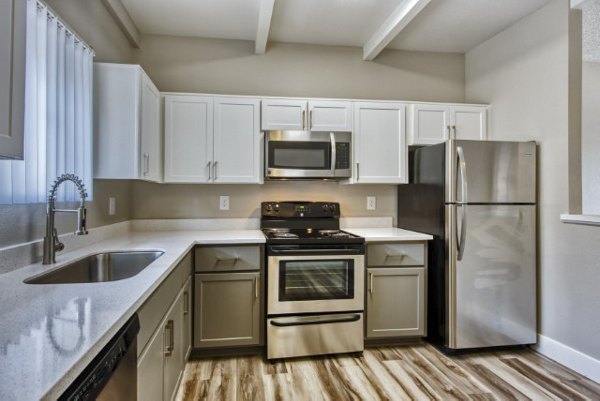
[99,267]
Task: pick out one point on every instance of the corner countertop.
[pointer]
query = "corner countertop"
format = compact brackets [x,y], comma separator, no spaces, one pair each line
[388,234]
[50,333]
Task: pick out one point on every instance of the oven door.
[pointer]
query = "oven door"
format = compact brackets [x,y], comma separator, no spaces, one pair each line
[305,154]
[315,283]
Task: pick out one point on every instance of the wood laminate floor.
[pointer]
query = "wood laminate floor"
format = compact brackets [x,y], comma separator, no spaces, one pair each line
[411,372]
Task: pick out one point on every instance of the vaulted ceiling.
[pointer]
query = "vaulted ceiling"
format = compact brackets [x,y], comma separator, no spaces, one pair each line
[422,25]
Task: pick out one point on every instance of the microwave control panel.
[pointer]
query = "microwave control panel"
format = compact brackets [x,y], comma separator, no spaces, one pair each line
[342,155]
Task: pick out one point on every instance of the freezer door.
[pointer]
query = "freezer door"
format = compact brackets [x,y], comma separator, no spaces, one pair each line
[490,172]
[491,286]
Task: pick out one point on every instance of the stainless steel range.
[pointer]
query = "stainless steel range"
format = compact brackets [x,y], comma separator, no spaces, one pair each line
[315,281]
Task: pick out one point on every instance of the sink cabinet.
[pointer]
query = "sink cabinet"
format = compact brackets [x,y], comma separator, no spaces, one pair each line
[13,15]
[165,333]
[228,297]
[396,290]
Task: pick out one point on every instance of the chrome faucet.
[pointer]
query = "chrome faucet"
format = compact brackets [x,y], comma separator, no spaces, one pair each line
[51,242]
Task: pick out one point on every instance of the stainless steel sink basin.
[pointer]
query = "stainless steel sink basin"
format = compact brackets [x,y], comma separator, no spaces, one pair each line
[100,267]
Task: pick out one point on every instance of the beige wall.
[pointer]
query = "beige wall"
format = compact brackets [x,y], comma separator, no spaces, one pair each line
[523,73]
[231,67]
[196,201]
[590,138]
[23,223]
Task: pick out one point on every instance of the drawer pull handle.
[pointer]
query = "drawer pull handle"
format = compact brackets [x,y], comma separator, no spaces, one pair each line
[255,288]
[371,283]
[229,261]
[389,256]
[170,327]
[186,303]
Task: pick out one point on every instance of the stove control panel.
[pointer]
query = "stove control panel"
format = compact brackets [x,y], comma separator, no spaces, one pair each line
[300,210]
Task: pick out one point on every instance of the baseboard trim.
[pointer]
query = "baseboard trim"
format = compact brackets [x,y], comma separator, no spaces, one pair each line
[571,358]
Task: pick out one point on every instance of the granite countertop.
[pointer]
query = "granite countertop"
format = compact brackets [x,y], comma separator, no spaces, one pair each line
[50,333]
[388,234]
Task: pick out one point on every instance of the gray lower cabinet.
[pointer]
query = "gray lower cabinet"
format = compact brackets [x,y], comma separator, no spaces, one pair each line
[396,287]
[227,309]
[164,341]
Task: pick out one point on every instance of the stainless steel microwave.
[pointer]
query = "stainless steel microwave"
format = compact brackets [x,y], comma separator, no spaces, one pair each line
[307,155]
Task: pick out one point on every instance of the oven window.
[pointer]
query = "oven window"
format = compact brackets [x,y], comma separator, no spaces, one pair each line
[300,155]
[316,279]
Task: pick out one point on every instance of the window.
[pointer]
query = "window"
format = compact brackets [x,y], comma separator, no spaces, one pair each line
[58,112]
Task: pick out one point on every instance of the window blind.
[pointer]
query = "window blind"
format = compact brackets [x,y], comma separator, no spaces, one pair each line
[58,112]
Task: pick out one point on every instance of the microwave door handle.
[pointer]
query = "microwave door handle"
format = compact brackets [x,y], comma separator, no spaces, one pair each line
[333,153]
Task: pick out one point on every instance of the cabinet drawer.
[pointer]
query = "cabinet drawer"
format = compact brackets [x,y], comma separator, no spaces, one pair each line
[396,254]
[228,258]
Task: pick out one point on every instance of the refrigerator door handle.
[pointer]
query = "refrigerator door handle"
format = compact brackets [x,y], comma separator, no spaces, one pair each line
[464,194]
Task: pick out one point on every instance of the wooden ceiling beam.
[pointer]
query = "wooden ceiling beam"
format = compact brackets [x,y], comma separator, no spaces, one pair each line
[265,13]
[391,27]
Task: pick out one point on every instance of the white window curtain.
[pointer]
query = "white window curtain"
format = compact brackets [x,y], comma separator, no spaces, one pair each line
[58,112]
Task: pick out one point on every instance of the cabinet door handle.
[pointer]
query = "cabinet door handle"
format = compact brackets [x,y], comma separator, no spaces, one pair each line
[371,283]
[209,171]
[454,130]
[169,327]
[448,127]
[303,119]
[357,171]
[255,287]
[146,158]
[186,303]
[215,170]
[310,123]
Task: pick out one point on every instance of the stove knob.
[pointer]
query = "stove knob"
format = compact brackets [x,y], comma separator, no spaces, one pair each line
[326,209]
[269,207]
[276,208]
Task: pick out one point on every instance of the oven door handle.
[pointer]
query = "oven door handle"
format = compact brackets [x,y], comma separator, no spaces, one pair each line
[316,252]
[304,322]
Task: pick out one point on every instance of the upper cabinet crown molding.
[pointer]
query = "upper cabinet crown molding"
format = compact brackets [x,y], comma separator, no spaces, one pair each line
[127,132]
[306,114]
[13,15]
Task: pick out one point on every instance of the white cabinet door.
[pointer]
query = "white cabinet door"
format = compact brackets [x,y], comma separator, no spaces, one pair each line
[188,138]
[237,150]
[127,129]
[430,124]
[434,123]
[12,77]
[329,116]
[283,115]
[469,122]
[380,145]
[151,160]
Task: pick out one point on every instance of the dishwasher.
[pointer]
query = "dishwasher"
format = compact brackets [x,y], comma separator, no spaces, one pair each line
[112,374]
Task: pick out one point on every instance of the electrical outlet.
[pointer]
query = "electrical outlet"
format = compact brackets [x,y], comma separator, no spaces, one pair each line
[112,206]
[371,203]
[223,202]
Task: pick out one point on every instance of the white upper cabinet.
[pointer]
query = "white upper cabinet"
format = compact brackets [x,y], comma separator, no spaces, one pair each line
[312,115]
[12,78]
[237,151]
[379,143]
[434,123]
[188,138]
[127,134]
[212,139]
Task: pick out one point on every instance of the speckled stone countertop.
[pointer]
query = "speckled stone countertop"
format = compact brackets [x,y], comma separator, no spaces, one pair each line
[388,234]
[50,333]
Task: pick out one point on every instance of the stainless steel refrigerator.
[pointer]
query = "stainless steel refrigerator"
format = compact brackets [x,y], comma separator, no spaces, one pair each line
[478,200]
